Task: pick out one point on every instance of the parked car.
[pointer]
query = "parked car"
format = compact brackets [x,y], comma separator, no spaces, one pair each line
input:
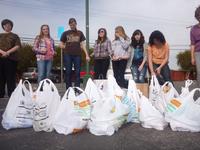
[32,75]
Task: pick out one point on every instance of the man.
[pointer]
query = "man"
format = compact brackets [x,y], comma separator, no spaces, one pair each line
[195,44]
[72,43]
[9,44]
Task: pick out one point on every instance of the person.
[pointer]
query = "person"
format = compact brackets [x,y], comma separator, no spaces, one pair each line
[139,57]
[102,51]
[73,42]
[45,50]
[120,55]
[158,56]
[195,44]
[9,46]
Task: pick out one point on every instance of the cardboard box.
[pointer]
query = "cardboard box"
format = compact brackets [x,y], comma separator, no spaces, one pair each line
[144,88]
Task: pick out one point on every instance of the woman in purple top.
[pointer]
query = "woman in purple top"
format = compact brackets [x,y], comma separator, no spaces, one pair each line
[195,44]
[102,51]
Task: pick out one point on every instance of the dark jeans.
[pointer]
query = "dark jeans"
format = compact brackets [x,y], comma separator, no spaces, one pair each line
[7,76]
[119,68]
[164,74]
[101,68]
[69,61]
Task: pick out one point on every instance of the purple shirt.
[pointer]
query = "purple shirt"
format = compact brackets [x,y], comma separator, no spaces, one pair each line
[195,37]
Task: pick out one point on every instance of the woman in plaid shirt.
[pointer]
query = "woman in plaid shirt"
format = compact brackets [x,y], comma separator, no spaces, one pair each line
[102,51]
[45,50]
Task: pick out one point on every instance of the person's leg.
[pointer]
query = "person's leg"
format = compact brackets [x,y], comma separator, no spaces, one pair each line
[48,67]
[197,58]
[135,72]
[122,68]
[77,67]
[41,70]
[159,77]
[10,72]
[115,66]
[142,74]
[68,69]
[97,66]
[165,72]
[104,67]
[2,78]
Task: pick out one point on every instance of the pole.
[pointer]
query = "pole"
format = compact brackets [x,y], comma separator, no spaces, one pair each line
[61,67]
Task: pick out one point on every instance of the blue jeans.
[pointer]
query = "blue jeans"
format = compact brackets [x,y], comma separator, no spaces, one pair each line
[44,69]
[138,76]
[70,60]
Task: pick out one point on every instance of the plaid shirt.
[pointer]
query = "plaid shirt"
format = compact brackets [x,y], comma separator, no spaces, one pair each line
[38,44]
[102,50]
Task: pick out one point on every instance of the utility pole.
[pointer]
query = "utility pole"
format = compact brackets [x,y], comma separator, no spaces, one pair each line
[87,40]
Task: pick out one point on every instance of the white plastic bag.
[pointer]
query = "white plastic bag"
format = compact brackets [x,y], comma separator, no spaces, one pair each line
[183,113]
[185,90]
[19,110]
[47,100]
[149,116]
[132,99]
[73,112]
[155,96]
[110,113]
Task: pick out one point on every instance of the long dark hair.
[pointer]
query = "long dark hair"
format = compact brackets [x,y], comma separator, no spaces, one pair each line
[156,36]
[99,39]
[197,13]
[134,42]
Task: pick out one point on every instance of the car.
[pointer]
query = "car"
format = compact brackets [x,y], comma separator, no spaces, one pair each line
[32,75]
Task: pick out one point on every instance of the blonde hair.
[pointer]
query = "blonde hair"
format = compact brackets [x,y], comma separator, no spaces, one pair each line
[121,31]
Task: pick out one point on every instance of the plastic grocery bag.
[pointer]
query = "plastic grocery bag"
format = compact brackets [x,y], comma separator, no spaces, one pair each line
[185,90]
[110,113]
[149,116]
[47,100]
[183,113]
[73,113]
[168,92]
[155,96]
[19,110]
[132,99]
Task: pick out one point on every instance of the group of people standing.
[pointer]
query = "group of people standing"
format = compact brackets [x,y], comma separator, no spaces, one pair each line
[153,55]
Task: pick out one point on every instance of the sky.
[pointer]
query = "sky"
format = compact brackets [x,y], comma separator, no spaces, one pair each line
[172,17]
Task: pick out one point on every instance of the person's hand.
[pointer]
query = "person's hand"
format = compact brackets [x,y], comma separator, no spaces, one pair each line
[5,54]
[117,34]
[140,68]
[158,70]
[87,58]
[193,61]
[115,58]
[43,50]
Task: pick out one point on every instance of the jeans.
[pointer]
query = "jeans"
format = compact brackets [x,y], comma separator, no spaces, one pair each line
[70,60]
[138,76]
[101,68]
[197,58]
[44,69]
[7,76]
[119,68]
[164,74]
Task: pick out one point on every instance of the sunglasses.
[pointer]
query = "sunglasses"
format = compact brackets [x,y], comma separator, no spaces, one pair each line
[102,31]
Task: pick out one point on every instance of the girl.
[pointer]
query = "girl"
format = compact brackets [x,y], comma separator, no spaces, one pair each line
[120,55]
[102,51]
[139,57]
[158,55]
[45,50]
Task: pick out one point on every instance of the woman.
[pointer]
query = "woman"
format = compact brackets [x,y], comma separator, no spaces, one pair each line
[9,46]
[120,55]
[158,55]
[102,51]
[45,50]
[139,57]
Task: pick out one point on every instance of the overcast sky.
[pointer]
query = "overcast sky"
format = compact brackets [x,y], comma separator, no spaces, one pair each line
[170,16]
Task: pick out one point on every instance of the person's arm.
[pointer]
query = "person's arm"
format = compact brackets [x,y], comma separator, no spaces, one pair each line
[125,43]
[192,55]
[150,61]
[144,57]
[62,45]
[83,46]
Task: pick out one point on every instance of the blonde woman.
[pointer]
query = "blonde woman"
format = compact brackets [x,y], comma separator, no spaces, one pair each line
[45,50]
[120,55]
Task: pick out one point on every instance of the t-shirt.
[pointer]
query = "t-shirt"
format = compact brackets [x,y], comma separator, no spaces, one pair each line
[195,37]
[158,54]
[72,40]
[8,41]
